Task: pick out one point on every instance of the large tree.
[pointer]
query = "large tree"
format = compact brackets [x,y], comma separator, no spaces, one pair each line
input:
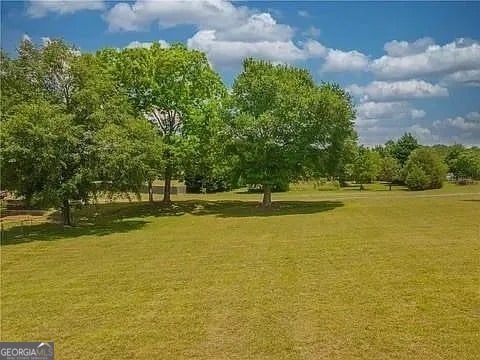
[282,123]
[176,89]
[52,134]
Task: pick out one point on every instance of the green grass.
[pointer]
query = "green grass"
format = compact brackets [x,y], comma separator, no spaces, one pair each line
[342,274]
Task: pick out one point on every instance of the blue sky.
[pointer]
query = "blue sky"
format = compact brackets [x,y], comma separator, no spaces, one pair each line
[411,66]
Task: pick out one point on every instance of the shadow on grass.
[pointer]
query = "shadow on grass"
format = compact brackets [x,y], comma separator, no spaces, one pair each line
[106,219]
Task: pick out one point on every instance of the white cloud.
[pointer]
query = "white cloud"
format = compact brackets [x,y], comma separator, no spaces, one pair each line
[468,122]
[206,14]
[303,13]
[338,60]
[423,134]
[462,54]
[466,77]
[314,49]
[138,44]
[372,112]
[40,8]
[402,48]
[397,90]
[230,53]
[257,27]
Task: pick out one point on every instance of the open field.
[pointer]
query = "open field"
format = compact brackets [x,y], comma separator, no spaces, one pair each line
[324,274]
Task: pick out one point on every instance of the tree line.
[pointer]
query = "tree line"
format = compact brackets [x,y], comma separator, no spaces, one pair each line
[75,125]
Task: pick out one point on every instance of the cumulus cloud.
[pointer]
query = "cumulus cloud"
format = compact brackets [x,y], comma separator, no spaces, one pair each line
[257,27]
[402,48]
[397,90]
[231,53]
[460,55]
[138,44]
[206,14]
[40,8]
[372,112]
[338,60]
[466,78]
[468,122]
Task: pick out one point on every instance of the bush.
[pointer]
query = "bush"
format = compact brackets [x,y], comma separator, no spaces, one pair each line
[424,170]
[417,179]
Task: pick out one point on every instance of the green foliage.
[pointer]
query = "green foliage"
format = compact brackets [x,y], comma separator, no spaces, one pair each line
[178,91]
[463,163]
[366,165]
[389,169]
[282,125]
[69,129]
[403,147]
[431,166]
[417,179]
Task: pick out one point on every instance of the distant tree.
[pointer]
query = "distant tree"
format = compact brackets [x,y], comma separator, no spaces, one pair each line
[431,165]
[467,165]
[178,91]
[403,147]
[366,166]
[463,162]
[281,124]
[389,170]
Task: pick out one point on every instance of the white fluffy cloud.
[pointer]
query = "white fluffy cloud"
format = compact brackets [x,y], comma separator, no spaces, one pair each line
[40,8]
[372,112]
[230,53]
[206,14]
[460,55]
[468,122]
[138,44]
[338,60]
[466,78]
[257,27]
[397,90]
[402,48]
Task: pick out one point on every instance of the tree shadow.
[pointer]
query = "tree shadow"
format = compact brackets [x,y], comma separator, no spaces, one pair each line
[48,231]
[105,219]
[471,200]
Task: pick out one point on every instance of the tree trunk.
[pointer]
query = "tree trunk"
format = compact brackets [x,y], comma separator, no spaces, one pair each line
[66,213]
[361,187]
[267,196]
[150,191]
[390,186]
[168,185]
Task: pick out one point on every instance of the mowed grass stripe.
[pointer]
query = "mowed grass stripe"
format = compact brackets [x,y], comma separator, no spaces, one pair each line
[361,278]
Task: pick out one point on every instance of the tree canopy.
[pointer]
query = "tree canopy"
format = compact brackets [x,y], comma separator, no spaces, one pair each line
[177,90]
[281,123]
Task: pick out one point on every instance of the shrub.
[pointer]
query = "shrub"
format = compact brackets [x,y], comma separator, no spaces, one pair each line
[417,179]
[431,166]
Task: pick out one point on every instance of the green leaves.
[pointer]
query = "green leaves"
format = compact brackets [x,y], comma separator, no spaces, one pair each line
[282,126]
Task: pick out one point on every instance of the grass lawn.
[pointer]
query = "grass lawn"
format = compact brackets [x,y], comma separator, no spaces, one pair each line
[325,274]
